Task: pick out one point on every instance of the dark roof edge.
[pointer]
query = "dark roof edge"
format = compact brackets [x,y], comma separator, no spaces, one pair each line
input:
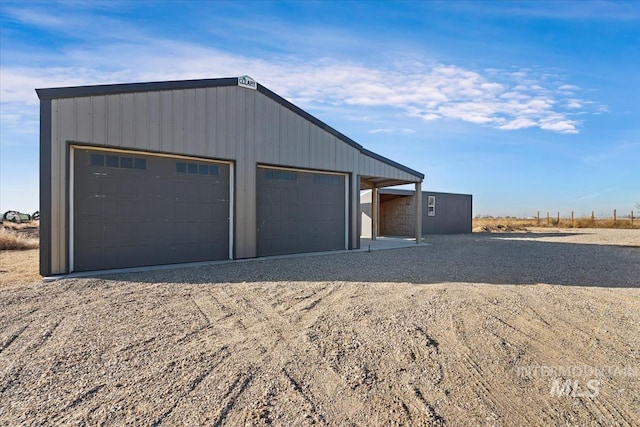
[113,89]
[280,100]
[402,192]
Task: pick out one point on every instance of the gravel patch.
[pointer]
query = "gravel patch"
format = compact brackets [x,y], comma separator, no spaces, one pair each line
[443,334]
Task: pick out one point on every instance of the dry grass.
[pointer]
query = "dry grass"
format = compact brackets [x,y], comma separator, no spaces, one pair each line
[19,267]
[12,240]
[21,225]
[511,224]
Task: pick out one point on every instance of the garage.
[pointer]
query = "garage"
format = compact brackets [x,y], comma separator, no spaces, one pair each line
[131,209]
[154,173]
[300,211]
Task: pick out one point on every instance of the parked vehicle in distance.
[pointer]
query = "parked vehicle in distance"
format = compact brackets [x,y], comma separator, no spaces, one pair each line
[15,216]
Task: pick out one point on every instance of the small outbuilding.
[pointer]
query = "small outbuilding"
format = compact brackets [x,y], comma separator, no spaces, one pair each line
[198,170]
[391,212]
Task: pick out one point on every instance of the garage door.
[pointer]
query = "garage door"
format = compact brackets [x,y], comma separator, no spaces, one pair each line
[299,211]
[134,210]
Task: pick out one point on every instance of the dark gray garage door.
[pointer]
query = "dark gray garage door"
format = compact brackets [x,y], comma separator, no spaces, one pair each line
[133,210]
[299,211]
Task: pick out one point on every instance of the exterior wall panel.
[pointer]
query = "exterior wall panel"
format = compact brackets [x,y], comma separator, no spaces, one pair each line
[84,121]
[155,127]
[98,120]
[141,124]
[128,121]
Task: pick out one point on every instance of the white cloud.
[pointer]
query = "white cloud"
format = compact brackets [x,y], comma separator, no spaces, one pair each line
[569,88]
[507,100]
[392,130]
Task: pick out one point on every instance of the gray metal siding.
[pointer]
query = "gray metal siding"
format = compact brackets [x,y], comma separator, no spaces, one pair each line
[45,188]
[127,217]
[453,213]
[218,121]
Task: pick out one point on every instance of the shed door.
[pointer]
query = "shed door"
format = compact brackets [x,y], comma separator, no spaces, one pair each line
[134,210]
[300,211]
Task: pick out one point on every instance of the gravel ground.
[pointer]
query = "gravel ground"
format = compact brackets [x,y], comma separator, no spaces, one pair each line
[480,329]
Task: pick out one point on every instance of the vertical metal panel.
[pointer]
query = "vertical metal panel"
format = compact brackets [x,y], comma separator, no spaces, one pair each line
[128,120]
[212,124]
[53,190]
[221,123]
[141,125]
[166,125]
[299,142]
[283,137]
[418,214]
[271,127]
[46,139]
[99,120]
[354,211]
[200,126]
[66,130]
[313,146]
[244,153]
[113,120]
[83,119]
[189,116]
[231,141]
[303,142]
[261,136]
[155,119]
[177,120]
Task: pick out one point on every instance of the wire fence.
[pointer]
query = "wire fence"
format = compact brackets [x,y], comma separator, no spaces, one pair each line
[555,219]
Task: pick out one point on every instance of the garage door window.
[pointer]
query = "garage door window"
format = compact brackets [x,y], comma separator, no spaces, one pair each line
[326,179]
[197,168]
[101,160]
[281,175]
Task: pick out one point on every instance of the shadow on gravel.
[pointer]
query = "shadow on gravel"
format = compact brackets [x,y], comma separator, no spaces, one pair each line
[466,258]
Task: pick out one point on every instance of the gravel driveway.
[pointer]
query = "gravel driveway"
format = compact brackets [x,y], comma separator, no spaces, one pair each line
[445,333]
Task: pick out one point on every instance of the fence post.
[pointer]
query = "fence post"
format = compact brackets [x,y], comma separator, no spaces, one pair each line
[538,219]
[614,215]
[592,216]
[548,220]
[631,216]
[558,220]
[571,219]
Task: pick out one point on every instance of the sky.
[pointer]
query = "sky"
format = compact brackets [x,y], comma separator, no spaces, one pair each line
[529,106]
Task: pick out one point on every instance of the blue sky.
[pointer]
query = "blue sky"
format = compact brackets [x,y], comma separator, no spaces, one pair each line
[526,105]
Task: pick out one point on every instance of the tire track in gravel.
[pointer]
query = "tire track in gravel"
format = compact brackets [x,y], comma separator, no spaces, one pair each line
[16,331]
[231,396]
[284,329]
[462,348]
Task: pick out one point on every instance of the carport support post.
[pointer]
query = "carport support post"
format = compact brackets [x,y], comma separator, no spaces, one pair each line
[374,212]
[418,201]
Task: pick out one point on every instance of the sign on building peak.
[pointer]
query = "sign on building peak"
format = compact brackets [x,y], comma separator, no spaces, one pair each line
[248,82]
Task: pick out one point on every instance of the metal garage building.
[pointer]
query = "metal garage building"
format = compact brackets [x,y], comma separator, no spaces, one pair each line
[391,212]
[185,171]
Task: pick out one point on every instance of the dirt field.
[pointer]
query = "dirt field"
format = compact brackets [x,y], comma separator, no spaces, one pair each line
[477,329]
